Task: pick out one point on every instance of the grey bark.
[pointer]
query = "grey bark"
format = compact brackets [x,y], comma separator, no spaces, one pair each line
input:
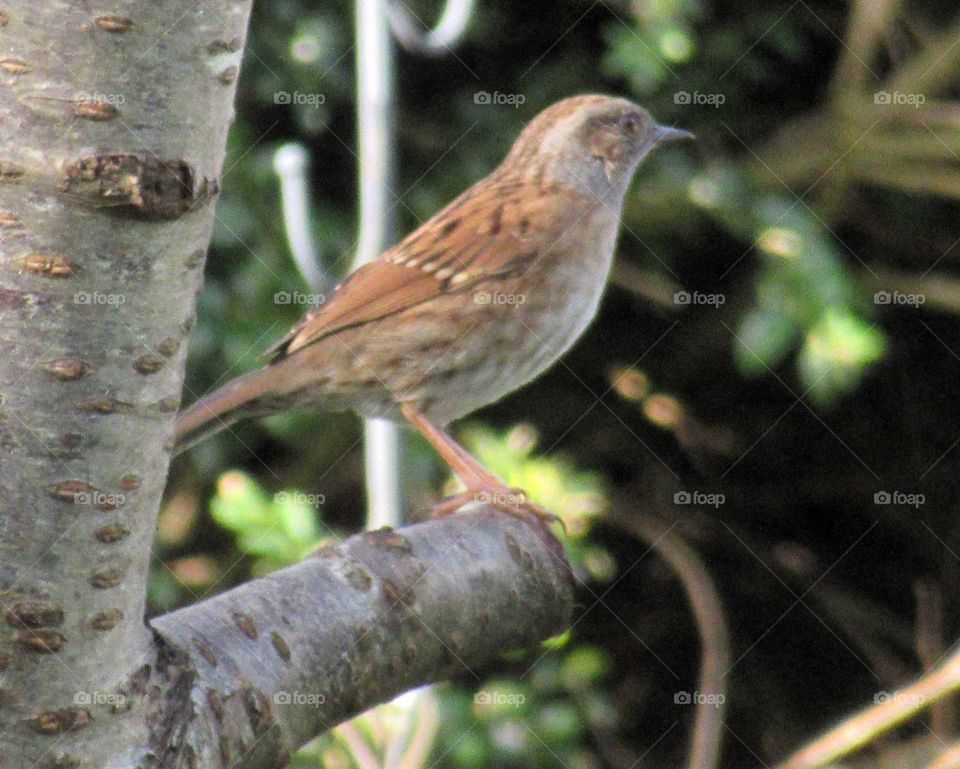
[112,135]
[276,661]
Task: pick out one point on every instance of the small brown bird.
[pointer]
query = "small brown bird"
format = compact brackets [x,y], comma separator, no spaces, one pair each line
[474,303]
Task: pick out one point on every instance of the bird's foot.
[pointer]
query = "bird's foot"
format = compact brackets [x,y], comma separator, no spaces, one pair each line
[511,501]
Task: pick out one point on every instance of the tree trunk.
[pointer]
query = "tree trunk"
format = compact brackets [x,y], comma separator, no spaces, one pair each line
[112,136]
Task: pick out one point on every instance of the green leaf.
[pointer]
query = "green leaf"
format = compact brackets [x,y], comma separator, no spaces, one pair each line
[279,531]
[584,666]
[836,353]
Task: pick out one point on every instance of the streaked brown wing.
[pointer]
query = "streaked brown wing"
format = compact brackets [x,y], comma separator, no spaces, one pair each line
[483,233]
[371,292]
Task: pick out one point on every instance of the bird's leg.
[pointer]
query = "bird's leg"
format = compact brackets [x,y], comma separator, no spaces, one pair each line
[482,485]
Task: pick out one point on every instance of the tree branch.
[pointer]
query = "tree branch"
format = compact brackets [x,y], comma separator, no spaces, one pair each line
[261,669]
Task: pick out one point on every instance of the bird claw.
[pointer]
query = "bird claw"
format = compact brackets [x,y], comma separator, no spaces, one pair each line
[511,501]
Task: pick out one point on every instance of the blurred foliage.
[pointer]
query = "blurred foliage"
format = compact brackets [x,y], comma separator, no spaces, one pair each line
[660,36]
[804,292]
[808,190]
[277,530]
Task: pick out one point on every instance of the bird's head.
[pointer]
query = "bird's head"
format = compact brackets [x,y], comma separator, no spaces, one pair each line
[592,144]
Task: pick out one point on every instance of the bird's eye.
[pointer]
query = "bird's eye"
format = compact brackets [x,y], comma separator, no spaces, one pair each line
[631,122]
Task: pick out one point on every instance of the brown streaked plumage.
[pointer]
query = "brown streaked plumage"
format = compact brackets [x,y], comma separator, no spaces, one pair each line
[474,303]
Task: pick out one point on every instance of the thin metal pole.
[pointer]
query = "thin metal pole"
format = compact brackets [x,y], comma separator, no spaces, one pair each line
[291,162]
[377,170]
[447,33]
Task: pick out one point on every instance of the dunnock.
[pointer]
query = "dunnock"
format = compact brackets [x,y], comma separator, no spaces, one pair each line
[474,303]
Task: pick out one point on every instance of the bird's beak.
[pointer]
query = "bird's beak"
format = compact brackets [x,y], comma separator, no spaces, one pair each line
[665,133]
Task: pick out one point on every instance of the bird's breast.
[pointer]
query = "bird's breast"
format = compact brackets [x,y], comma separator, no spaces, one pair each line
[565,289]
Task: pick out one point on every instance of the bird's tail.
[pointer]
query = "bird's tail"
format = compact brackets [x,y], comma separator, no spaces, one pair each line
[239,398]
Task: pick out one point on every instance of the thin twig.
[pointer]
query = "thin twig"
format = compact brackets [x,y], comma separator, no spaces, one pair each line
[938,292]
[868,21]
[867,725]
[929,642]
[704,599]
[934,69]
[649,285]
[949,759]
